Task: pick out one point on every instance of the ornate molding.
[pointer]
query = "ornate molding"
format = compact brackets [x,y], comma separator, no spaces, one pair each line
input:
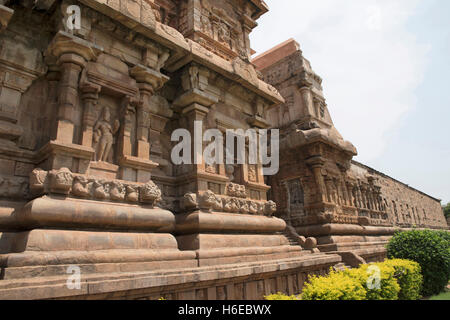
[64,182]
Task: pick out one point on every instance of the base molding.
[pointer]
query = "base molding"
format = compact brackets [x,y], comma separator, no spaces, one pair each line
[230,282]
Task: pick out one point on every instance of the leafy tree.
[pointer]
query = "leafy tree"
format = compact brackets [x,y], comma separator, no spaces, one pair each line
[447,210]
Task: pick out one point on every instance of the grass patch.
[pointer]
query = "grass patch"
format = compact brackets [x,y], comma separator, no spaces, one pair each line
[442,296]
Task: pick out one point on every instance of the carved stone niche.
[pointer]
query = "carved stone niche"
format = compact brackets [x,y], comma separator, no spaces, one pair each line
[20,65]
[111,102]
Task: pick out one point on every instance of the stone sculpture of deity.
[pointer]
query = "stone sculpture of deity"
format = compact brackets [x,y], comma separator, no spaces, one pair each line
[104,135]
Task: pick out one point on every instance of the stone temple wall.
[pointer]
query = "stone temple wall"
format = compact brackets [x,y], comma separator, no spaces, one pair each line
[320,191]
[87,180]
[88,183]
[407,207]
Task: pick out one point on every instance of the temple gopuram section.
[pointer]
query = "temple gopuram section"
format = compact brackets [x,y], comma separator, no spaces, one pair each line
[320,191]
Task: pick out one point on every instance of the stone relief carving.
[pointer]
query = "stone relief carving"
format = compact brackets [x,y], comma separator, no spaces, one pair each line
[270,208]
[190,78]
[206,26]
[215,27]
[37,180]
[132,194]
[100,189]
[14,187]
[209,168]
[118,191]
[208,201]
[236,190]
[150,193]
[63,181]
[252,173]
[296,197]
[189,201]
[163,56]
[81,187]
[104,134]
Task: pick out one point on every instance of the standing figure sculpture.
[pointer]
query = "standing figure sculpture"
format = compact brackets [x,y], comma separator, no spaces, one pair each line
[104,135]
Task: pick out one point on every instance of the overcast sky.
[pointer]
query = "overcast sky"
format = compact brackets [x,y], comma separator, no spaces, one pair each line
[386,71]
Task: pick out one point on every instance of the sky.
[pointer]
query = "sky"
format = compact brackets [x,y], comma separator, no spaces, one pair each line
[385,66]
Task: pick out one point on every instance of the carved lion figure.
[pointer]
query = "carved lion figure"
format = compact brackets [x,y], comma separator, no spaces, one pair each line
[270,208]
[150,193]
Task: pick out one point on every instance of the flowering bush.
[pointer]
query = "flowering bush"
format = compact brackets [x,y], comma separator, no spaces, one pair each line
[388,280]
[280,296]
[335,286]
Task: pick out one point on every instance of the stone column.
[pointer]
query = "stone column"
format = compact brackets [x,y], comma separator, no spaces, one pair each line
[193,113]
[248,25]
[328,182]
[127,115]
[72,55]
[316,163]
[89,97]
[363,191]
[143,121]
[194,105]
[351,199]
[340,198]
[344,192]
[149,81]
[307,98]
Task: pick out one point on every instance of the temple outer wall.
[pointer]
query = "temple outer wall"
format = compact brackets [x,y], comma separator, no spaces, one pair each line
[407,207]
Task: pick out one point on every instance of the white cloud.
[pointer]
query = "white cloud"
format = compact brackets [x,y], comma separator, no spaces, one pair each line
[370,63]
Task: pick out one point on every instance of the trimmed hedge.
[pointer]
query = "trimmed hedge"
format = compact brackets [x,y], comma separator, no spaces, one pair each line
[398,279]
[431,249]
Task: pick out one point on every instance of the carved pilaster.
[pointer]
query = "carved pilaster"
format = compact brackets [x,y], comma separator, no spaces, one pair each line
[316,164]
[90,99]
[351,198]
[72,55]
[149,81]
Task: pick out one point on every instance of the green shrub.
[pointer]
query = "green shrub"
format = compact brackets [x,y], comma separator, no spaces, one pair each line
[280,296]
[388,288]
[444,235]
[389,280]
[447,210]
[431,250]
[409,277]
[335,286]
